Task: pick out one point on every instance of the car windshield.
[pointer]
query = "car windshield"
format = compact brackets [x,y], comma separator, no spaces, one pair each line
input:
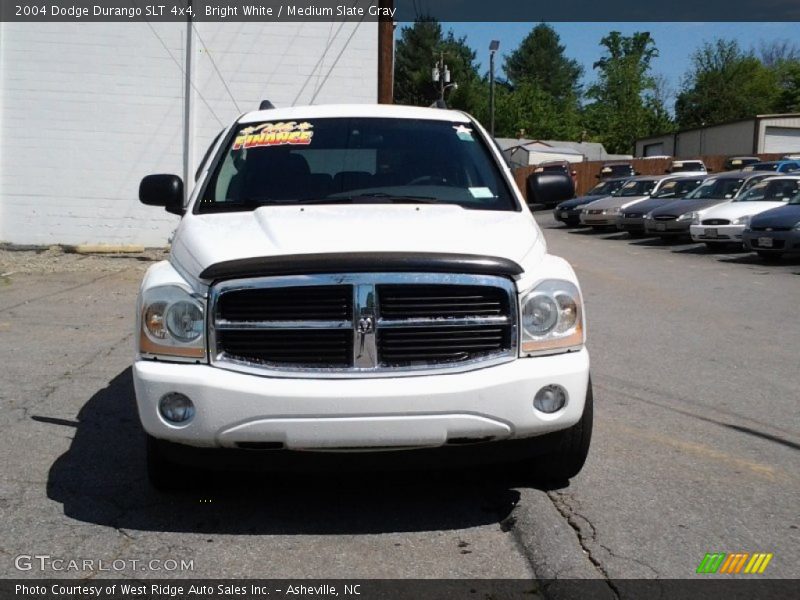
[355,160]
[677,189]
[636,187]
[605,188]
[721,188]
[772,190]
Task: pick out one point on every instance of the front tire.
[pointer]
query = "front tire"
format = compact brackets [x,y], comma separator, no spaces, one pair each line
[571,447]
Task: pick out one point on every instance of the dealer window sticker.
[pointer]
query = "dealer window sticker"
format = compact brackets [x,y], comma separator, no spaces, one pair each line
[275,134]
[464,133]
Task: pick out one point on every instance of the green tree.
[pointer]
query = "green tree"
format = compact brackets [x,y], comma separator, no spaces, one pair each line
[725,83]
[625,103]
[417,51]
[540,60]
[787,73]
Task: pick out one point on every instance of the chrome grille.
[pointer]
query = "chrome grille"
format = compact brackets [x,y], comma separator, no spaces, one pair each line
[362,324]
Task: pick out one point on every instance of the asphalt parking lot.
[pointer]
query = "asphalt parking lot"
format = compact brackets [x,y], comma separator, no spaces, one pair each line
[696,446]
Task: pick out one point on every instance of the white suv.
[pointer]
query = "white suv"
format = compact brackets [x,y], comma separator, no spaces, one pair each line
[359,278]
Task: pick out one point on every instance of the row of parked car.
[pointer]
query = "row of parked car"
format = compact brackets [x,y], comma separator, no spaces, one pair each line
[757,206]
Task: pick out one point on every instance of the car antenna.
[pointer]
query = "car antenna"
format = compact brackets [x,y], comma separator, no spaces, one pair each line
[266,105]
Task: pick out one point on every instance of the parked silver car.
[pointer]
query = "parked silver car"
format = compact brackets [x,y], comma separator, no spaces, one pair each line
[604,212]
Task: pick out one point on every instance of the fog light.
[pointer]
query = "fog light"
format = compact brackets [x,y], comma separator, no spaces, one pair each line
[176,408]
[550,398]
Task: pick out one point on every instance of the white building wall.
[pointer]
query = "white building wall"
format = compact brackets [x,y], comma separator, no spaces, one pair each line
[88,109]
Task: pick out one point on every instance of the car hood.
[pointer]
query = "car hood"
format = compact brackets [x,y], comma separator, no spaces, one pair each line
[617,201]
[787,215]
[679,207]
[203,240]
[645,206]
[580,201]
[732,210]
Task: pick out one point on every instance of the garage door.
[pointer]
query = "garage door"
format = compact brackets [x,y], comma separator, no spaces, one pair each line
[782,139]
[654,149]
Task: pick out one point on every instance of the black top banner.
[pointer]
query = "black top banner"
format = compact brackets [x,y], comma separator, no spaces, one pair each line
[400,10]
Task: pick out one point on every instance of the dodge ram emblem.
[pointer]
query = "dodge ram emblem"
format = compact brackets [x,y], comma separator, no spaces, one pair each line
[366,325]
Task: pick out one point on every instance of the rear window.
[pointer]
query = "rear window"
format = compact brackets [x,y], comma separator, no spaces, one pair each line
[359,160]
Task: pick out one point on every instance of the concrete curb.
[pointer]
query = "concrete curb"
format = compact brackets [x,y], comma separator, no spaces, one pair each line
[554,552]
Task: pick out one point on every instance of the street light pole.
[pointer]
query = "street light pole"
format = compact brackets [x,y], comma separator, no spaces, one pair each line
[493,47]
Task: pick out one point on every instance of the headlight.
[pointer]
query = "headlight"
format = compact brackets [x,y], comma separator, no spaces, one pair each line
[551,317]
[648,216]
[745,220]
[172,323]
[692,216]
[796,227]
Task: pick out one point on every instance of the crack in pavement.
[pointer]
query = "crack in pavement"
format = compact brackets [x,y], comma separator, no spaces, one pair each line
[569,514]
[563,504]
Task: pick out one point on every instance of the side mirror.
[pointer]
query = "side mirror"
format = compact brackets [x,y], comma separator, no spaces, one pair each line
[163,190]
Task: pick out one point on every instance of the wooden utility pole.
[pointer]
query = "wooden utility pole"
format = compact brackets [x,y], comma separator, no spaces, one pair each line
[385,55]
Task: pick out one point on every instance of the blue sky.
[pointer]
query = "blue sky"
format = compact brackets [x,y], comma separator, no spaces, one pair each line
[675,41]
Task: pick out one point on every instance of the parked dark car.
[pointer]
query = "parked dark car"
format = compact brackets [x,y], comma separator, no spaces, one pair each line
[775,232]
[632,219]
[616,170]
[734,163]
[775,166]
[569,211]
[674,218]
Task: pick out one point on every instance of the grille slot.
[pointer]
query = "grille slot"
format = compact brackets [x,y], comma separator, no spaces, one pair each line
[716,222]
[288,347]
[329,302]
[440,301]
[412,345]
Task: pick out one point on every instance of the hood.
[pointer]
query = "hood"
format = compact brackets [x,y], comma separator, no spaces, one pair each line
[645,206]
[787,215]
[580,201]
[733,210]
[203,240]
[617,201]
[678,207]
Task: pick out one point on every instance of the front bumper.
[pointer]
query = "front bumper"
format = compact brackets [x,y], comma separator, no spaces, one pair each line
[599,220]
[567,215]
[237,409]
[671,227]
[632,224]
[717,233]
[782,241]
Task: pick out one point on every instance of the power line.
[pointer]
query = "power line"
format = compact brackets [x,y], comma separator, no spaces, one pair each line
[183,71]
[336,60]
[214,64]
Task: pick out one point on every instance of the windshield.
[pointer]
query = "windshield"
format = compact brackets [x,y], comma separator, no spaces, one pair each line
[772,190]
[636,187]
[718,189]
[359,160]
[677,189]
[679,167]
[774,166]
[605,188]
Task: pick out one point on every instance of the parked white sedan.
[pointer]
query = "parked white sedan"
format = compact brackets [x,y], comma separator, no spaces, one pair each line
[725,223]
